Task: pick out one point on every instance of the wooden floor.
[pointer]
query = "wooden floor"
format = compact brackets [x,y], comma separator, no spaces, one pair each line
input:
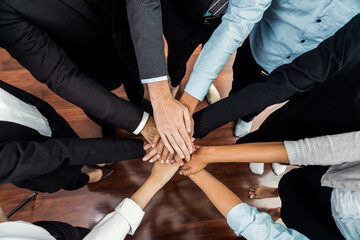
[179,211]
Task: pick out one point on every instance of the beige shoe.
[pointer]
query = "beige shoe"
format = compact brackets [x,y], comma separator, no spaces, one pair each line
[173,90]
[213,95]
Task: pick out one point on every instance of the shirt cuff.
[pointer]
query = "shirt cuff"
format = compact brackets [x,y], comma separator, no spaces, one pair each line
[295,152]
[142,123]
[198,87]
[156,79]
[240,217]
[132,212]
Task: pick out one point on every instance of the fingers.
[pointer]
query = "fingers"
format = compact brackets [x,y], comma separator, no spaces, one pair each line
[189,144]
[167,143]
[150,155]
[179,161]
[185,171]
[180,140]
[165,155]
[187,120]
[156,140]
[147,146]
[171,157]
[177,142]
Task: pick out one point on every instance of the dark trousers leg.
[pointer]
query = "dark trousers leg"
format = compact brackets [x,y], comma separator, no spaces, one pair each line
[180,52]
[63,231]
[306,205]
[245,72]
[245,69]
[64,177]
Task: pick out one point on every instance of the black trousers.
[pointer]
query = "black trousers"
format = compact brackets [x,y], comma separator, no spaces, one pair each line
[63,231]
[245,72]
[65,177]
[180,52]
[306,205]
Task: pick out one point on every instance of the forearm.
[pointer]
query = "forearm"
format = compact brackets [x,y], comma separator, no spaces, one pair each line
[158,91]
[248,152]
[146,192]
[222,197]
[51,154]
[324,150]
[236,25]
[145,22]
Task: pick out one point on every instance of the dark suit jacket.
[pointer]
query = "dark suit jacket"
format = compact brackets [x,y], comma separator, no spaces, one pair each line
[72,46]
[25,154]
[148,19]
[334,56]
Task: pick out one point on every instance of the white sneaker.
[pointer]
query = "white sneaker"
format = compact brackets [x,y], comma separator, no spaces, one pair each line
[278,168]
[173,90]
[242,128]
[257,168]
[213,95]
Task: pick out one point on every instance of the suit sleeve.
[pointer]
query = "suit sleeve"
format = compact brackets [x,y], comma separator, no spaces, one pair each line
[49,64]
[25,160]
[311,68]
[145,20]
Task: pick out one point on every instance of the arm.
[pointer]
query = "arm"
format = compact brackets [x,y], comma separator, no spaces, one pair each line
[128,214]
[243,153]
[171,117]
[301,75]
[242,218]
[324,150]
[237,23]
[48,63]
[21,159]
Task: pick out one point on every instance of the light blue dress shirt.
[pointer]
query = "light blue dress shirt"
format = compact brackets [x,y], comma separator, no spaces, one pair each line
[281,30]
[251,224]
[345,208]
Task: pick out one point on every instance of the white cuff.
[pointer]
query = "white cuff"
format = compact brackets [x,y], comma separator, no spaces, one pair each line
[156,79]
[132,212]
[142,123]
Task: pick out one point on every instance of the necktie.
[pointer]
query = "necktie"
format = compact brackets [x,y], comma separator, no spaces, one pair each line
[218,7]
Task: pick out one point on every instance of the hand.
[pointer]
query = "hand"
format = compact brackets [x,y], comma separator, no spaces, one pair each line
[150,132]
[163,173]
[159,152]
[199,160]
[172,120]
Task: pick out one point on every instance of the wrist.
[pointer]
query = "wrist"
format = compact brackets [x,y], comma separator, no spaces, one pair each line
[158,91]
[156,181]
[208,154]
[189,101]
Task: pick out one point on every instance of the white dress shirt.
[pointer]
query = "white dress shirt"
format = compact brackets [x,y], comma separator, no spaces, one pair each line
[14,110]
[19,230]
[345,208]
[115,226]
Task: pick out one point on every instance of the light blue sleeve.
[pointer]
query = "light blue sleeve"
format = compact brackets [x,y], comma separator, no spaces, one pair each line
[236,25]
[251,224]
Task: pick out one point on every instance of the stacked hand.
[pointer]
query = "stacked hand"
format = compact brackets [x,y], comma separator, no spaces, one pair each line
[173,122]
